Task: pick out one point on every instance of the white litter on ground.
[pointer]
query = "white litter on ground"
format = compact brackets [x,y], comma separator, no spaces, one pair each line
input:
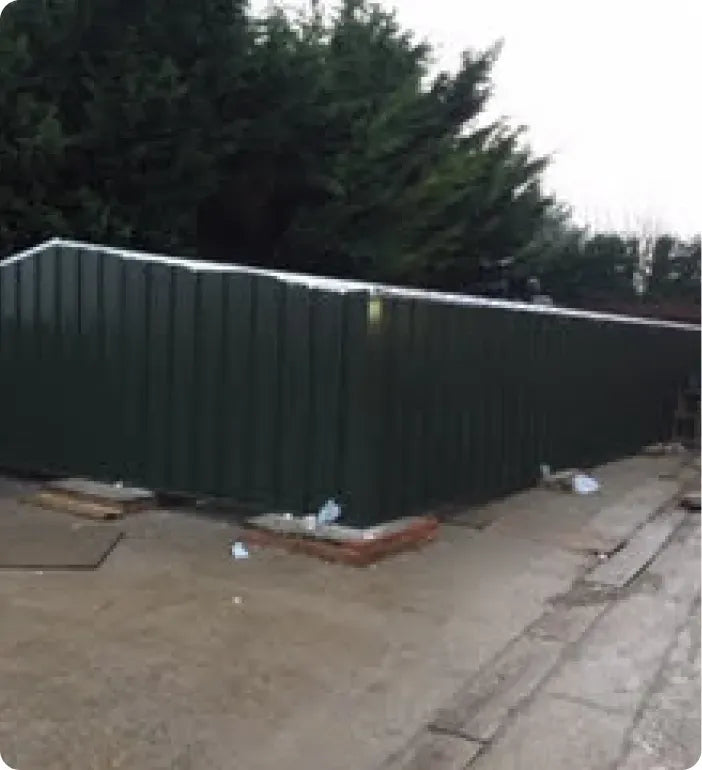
[240,551]
[585,485]
[569,480]
[328,513]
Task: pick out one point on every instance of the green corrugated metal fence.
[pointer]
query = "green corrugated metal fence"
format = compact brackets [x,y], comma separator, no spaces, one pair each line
[282,391]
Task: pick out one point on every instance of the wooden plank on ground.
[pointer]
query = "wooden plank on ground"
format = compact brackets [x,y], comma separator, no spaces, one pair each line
[91,499]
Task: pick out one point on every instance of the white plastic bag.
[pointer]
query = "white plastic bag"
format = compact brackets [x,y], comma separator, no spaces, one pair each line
[240,551]
[585,485]
[328,513]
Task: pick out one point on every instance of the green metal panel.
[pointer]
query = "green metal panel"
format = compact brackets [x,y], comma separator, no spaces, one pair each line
[89,362]
[159,342]
[68,379]
[413,366]
[357,439]
[209,370]
[475,412]
[9,374]
[112,451]
[294,454]
[135,352]
[326,374]
[266,345]
[280,392]
[237,425]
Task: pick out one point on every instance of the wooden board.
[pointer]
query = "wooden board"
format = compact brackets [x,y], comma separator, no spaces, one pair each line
[80,505]
[97,490]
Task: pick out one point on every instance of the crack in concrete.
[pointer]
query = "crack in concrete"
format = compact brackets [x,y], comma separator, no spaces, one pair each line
[454,733]
[579,700]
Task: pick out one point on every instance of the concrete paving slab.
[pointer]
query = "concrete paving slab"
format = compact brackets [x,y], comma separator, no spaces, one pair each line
[431,751]
[617,660]
[667,733]
[557,734]
[671,570]
[482,705]
[623,517]
[624,565]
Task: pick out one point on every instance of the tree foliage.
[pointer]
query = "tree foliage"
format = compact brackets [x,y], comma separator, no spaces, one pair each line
[603,270]
[675,269]
[297,141]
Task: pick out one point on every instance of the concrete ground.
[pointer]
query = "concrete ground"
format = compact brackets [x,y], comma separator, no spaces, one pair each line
[488,649]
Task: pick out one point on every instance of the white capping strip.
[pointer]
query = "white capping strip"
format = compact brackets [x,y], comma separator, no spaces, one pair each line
[29,253]
[342,286]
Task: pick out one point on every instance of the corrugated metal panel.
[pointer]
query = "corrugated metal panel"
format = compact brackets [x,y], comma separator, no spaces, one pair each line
[281,391]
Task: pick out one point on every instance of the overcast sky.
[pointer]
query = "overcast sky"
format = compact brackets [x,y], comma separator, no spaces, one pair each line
[611,88]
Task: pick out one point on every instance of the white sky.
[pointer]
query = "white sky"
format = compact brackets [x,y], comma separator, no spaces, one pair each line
[611,88]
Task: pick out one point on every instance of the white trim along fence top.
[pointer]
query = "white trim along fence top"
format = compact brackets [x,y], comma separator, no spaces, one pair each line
[342,286]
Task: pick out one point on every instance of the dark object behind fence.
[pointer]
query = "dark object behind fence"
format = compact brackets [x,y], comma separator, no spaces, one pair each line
[282,391]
